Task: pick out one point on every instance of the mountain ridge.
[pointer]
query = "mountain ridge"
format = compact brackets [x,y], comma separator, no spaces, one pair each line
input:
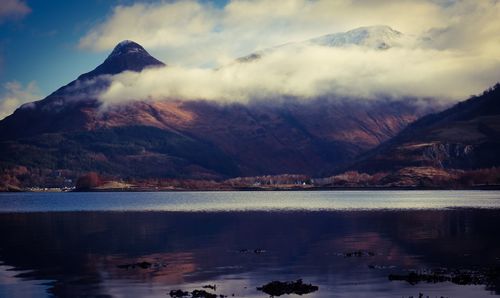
[68,133]
[465,136]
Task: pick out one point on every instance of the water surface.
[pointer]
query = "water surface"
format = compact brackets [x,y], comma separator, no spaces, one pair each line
[72,244]
[247,201]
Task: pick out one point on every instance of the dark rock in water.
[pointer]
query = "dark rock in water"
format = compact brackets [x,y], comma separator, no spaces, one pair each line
[414,278]
[467,279]
[202,294]
[178,293]
[359,253]
[460,277]
[278,288]
[196,293]
[255,251]
[421,295]
[212,287]
[381,267]
[142,265]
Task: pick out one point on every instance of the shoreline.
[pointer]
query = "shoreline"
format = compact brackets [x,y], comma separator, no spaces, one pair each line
[261,189]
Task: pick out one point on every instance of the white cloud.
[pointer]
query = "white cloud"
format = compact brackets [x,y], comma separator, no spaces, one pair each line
[458,53]
[15,95]
[11,9]
[313,71]
[154,25]
[194,33]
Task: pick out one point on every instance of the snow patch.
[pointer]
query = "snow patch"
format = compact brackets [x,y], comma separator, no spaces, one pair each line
[375,37]
[127,47]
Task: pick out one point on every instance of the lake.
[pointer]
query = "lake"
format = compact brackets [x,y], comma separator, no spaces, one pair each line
[347,243]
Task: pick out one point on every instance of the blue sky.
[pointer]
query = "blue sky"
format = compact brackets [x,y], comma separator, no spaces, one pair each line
[42,46]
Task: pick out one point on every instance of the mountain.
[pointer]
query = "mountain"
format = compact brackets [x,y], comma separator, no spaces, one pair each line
[69,133]
[370,37]
[375,37]
[67,109]
[464,137]
[127,55]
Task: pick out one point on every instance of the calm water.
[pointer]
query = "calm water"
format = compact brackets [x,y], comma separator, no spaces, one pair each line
[71,244]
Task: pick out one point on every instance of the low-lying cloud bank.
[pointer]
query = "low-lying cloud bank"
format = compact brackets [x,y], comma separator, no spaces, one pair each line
[311,71]
[15,94]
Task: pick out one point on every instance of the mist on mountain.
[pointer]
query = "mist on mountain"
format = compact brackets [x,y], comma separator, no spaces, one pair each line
[362,64]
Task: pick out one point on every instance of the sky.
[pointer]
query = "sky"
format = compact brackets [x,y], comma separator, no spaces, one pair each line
[453,49]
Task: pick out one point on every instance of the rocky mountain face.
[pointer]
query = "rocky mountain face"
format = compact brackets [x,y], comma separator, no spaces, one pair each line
[465,136]
[69,133]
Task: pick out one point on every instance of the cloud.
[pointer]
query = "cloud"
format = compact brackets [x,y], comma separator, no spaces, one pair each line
[15,95]
[472,26]
[13,9]
[155,25]
[194,33]
[312,71]
[456,53]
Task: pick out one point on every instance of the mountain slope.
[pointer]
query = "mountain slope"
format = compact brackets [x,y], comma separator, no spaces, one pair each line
[465,136]
[70,132]
[67,108]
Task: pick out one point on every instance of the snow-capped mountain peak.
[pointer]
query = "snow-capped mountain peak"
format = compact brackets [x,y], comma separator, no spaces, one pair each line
[379,37]
[127,47]
[376,37]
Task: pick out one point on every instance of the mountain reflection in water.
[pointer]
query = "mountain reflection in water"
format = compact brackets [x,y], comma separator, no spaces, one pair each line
[70,254]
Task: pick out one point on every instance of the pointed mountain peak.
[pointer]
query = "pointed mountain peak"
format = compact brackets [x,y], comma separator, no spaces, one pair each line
[128,47]
[126,56]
